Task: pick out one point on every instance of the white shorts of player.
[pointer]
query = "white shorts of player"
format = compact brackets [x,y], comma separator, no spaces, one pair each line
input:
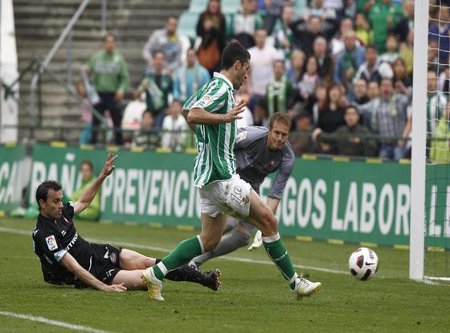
[231,197]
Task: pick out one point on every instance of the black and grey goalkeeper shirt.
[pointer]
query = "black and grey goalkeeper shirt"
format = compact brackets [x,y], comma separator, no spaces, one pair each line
[52,239]
[254,160]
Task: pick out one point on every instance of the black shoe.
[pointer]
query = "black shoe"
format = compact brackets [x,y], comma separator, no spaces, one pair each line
[213,279]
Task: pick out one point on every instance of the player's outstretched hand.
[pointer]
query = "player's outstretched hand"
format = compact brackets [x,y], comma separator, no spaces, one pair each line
[109,166]
[236,112]
[115,288]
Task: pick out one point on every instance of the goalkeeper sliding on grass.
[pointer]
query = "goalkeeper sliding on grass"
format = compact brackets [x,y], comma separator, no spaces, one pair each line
[259,152]
[211,112]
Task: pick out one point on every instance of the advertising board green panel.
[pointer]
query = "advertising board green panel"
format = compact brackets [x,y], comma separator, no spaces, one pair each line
[352,201]
[11,176]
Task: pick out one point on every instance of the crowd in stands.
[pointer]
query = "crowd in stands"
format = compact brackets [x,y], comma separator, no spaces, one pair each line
[342,69]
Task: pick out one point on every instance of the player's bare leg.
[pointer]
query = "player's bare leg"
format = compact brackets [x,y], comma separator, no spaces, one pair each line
[132,260]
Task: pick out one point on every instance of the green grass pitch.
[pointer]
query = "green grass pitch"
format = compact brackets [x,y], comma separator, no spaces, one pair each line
[253,296]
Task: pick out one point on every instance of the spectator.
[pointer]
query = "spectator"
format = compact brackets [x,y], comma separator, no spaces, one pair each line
[402,80]
[283,38]
[300,138]
[360,98]
[262,58]
[383,16]
[324,61]
[444,81]
[369,70]
[436,103]
[109,75]
[86,114]
[440,31]
[306,32]
[92,212]
[174,127]
[332,117]
[132,115]
[189,78]
[167,41]
[337,43]
[406,52]
[211,28]
[373,90]
[440,147]
[279,91]
[350,9]
[352,138]
[319,105]
[147,136]
[392,50]
[405,23]
[246,22]
[349,60]
[388,117]
[310,79]
[157,86]
[362,29]
[296,66]
[261,116]
[317,8]
[273,13]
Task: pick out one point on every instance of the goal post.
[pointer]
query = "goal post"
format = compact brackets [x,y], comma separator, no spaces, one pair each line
[418,154]
[430,165]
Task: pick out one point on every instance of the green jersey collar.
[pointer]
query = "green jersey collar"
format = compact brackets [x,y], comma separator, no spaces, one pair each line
[223,77]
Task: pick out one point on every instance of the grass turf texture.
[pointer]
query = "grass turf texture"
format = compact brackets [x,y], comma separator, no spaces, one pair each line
[253,297]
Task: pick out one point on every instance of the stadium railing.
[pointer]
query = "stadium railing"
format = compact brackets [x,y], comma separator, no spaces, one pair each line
[70,134]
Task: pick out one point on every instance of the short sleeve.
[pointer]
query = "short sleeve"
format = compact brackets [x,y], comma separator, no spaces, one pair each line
[48,245]
[213,99]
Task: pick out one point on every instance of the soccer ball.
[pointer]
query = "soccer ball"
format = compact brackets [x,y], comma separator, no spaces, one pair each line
[363,263]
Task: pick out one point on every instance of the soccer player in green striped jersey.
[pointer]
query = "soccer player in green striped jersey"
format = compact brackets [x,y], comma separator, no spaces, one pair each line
[211,113]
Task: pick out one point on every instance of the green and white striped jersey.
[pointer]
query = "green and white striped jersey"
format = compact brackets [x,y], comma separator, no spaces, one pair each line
[215,143]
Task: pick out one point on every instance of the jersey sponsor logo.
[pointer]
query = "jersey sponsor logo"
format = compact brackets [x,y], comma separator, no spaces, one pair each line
[205,101]
[51,243]
[72,242]
[106,254]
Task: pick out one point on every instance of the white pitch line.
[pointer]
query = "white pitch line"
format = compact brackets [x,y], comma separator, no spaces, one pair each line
[161,249]
[51,322]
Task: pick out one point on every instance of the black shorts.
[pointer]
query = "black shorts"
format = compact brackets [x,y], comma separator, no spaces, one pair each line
[105,262]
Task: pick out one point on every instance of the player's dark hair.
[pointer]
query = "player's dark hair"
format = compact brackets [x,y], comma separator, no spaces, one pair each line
[42,190]
[280,117]
[234,52]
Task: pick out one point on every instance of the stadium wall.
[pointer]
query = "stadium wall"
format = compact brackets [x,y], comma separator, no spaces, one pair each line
[338,200]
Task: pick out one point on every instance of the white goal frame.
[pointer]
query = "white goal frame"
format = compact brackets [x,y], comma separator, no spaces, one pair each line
[418,157]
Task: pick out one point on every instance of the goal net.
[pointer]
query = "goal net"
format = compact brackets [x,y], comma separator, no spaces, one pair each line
[430,171]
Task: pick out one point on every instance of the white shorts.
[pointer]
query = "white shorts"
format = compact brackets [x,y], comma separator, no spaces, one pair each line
[231,197]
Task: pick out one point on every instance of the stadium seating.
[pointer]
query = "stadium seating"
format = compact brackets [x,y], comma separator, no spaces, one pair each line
[231,6]
[187,25]
[197,6]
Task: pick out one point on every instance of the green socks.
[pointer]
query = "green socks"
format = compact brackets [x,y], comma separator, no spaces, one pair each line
[183,252]
[279,255]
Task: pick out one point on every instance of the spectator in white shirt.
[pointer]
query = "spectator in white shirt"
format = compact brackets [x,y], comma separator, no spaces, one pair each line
[262,57]
[174,127]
